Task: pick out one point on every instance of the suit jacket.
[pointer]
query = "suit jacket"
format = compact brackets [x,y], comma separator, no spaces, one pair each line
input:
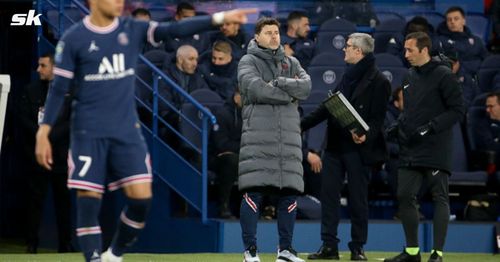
[370,99]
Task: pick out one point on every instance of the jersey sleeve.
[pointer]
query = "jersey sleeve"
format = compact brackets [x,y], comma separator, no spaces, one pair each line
[63,74]
[157,32]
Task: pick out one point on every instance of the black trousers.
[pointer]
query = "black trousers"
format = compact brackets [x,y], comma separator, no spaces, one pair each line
[226,168]
[410,180]
[38,184]
[335,166]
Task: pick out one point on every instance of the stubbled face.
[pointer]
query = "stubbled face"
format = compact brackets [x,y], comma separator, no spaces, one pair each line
[45,68]
[493,108]
[188,62]
[352,53]
[303,27]
[414,56]
[108,8]
[269,37]
[455,21]
[220,58]
[230,29]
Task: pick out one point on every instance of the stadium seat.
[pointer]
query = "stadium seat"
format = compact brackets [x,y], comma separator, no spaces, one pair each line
[71,16]
[332,36]
[326,71]
[315,136]
[392,67]
[476,117]
[487,71]
[207,98]
[479,25]
[479,100]
[143,85]
[384,31]
[157,57]
[384,16]
[160,14]
[460,172]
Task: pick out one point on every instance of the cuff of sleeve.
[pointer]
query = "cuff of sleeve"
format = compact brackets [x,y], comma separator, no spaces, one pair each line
[281,81]
[218,18]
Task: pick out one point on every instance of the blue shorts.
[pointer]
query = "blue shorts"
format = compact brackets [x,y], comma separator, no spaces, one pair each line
[117,161]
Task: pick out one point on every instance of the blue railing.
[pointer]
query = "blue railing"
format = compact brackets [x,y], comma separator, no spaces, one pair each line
[193,186]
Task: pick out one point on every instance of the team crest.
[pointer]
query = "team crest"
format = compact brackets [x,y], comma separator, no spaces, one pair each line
[123,38]
[329,77]
[196,37]
[59,52]
[471,41]
[339,41]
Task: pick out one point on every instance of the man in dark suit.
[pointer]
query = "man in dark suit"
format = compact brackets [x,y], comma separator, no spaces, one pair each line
[368,90]
[31,109]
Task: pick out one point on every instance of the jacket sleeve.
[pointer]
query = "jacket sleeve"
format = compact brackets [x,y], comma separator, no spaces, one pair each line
[299,87]
[378,108]
[314,118]
[254,89]
[451,94]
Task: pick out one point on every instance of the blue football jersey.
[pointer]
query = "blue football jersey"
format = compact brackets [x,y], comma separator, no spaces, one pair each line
[101,63]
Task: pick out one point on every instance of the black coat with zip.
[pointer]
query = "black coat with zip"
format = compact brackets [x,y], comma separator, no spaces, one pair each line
[369,98]
[432,96]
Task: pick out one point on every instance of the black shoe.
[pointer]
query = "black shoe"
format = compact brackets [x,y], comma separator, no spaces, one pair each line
[404,257]
[325,252]
[31,249]
[67,248]
[357,252]
[435,257]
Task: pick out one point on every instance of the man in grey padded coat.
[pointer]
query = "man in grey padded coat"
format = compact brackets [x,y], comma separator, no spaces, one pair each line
[270,160]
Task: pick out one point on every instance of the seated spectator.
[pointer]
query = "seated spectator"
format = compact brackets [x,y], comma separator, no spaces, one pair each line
[224,150]
[295,40]
[198,41]
[395,45]
[470,88]
[454,35]
[234,35]
[184,73]
[486,133]
[220,72]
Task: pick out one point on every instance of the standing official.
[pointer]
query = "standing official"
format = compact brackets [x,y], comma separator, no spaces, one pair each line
[368,90]
[433,103]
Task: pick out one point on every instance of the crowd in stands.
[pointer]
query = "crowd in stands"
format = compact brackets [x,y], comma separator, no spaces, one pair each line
[209,61]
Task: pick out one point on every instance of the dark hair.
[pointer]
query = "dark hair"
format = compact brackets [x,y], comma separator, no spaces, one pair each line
[455,9]
[265,21]
[295,15]
[494,94]
[184,6]
[418,24]
[50,56]
[141,11]
[423,40]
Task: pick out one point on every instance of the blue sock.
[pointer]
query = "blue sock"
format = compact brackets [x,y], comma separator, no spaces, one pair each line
[88,230]
[131,222]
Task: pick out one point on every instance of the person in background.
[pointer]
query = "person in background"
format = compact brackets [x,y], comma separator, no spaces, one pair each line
[296,41]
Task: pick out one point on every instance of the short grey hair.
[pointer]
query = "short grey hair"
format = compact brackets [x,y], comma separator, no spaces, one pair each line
[363,41]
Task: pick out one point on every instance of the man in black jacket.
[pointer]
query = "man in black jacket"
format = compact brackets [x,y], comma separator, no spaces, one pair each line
[368,90]
[31,109]
[433,103]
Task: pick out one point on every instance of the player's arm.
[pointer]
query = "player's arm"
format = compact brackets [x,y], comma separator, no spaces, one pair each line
[189,26]
[63,74]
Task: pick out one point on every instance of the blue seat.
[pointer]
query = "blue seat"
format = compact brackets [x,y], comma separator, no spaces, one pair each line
[385,31]
[210,100]
[434,18]
[332,35]
[460,173]
[479,101]
[476,118]
[487,71]
[157,57]
[384,16]
[71,16]
[314,137]
[478,24]
[392,67]
[143,85]
[326,71]
[160,14]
